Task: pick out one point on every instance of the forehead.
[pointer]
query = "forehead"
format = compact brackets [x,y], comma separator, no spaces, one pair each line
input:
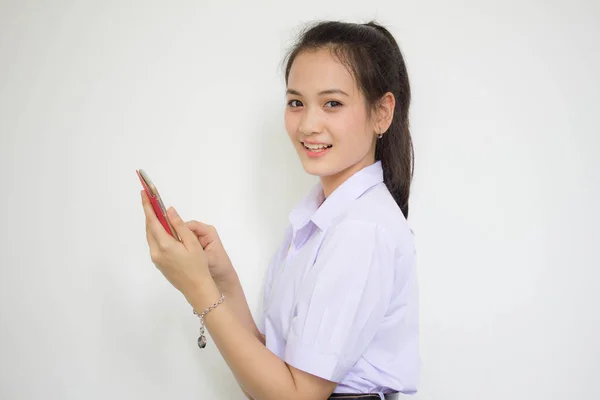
[317,70]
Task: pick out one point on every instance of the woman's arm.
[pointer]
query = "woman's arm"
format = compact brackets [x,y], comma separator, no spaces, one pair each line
[234,292]
[261,374]
[232,288]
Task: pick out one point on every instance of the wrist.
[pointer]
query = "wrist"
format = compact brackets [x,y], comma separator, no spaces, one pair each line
[227,283]
[203,295]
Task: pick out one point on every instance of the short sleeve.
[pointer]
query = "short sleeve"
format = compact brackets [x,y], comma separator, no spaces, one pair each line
[340,310]
[260,323]
[268,281]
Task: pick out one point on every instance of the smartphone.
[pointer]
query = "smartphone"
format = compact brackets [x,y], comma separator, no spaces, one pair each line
[156,201]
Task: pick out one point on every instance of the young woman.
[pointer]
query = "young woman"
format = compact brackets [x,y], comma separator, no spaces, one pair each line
[340,309]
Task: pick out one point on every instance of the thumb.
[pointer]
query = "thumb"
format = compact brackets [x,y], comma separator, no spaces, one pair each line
[198,228]
[204,232]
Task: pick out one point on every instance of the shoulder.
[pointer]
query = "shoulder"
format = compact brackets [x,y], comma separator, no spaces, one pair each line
[377,214]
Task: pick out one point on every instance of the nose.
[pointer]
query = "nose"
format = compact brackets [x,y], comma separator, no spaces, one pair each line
[311,122]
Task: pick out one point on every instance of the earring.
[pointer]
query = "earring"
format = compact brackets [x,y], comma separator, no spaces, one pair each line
[380,135]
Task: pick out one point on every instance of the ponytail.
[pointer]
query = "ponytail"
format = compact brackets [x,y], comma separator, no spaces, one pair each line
[395,149]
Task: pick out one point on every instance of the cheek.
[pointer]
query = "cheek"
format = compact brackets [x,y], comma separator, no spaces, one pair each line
[353,129]
[291,124]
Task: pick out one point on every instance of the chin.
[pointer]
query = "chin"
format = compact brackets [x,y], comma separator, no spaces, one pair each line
[319,168]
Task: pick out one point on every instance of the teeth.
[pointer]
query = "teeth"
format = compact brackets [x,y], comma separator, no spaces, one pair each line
[316,146]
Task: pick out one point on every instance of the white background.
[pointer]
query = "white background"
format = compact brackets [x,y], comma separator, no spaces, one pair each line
[504,205]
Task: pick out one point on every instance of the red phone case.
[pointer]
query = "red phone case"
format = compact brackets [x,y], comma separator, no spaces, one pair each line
[157,204]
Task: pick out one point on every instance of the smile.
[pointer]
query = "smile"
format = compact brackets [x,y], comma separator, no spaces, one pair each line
[316,150]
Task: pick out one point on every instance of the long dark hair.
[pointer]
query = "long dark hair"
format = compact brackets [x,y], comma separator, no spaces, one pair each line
[374,58]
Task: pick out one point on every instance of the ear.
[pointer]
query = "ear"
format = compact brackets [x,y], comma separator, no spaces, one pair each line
[385,112]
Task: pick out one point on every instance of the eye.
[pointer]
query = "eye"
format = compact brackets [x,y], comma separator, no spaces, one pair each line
[294,103]
[334,104]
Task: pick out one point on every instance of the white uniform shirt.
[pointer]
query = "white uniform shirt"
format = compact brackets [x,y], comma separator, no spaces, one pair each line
[341,299]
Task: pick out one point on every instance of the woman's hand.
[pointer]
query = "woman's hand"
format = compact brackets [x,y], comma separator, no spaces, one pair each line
[219,264]
[184,264]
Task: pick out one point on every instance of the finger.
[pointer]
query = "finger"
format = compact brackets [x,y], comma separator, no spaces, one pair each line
[153,246]
[148,209]
[151,239]
[206,233]
[187,236]
[153,225]
[199,228]
[152,243]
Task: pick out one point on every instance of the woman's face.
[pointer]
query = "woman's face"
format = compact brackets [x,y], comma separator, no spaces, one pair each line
[326,118]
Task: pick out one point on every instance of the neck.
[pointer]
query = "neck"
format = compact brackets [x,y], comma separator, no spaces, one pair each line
[332,182]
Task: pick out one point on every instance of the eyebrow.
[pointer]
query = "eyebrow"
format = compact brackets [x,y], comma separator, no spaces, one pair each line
[321,93]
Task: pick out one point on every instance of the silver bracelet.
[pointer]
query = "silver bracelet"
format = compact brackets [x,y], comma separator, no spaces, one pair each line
[202,338]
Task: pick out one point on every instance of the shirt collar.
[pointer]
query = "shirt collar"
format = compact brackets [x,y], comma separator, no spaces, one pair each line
[321,211]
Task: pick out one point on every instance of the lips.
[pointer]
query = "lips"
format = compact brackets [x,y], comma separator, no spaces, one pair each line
[316,149]
[316,146]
